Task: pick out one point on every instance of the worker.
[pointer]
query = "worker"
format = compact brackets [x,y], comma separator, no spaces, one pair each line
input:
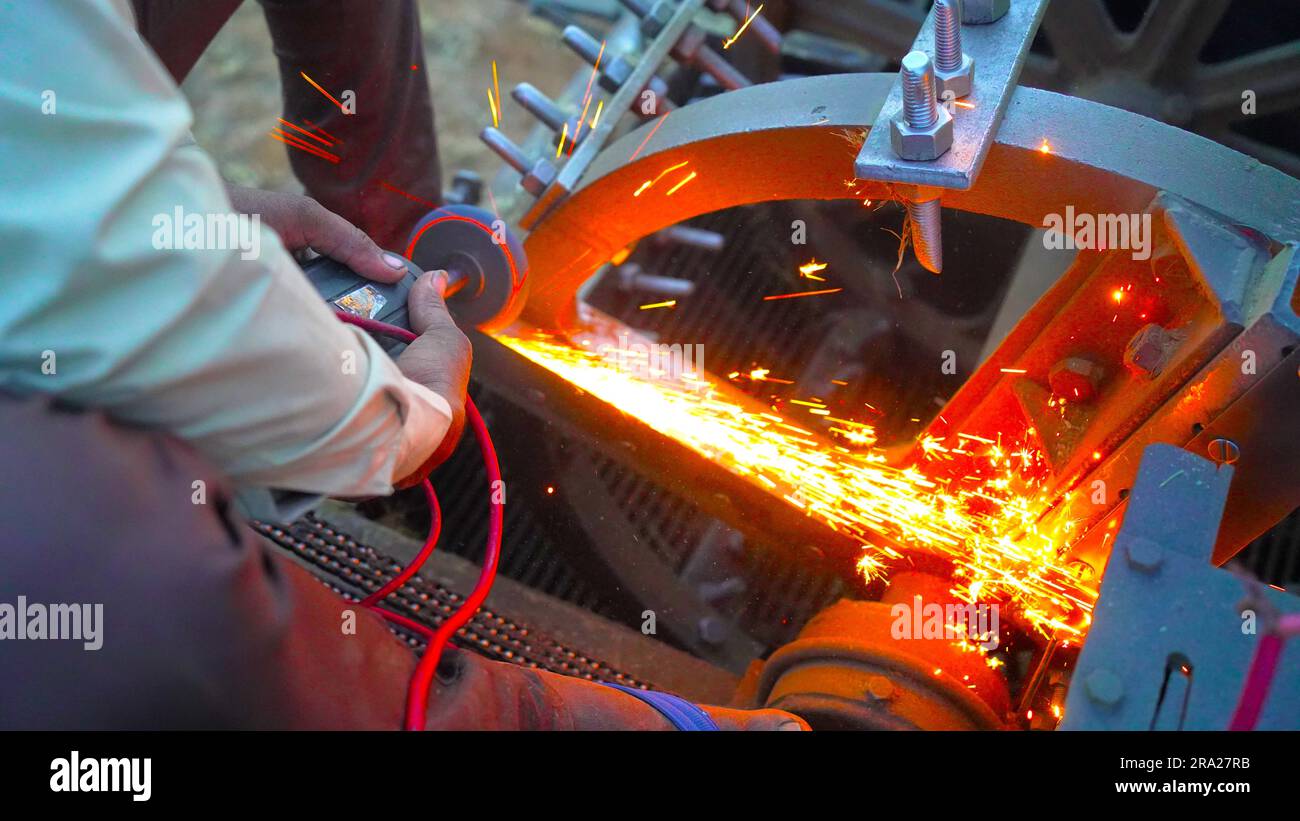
[166,371]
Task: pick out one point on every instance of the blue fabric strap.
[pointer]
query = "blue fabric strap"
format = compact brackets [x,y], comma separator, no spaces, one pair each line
[683,714]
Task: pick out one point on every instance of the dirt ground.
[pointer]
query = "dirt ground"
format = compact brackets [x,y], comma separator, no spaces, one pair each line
[235,87]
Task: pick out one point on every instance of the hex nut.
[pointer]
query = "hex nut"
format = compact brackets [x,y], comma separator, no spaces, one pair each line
[959,81]
[1149,349]
[921,144]
[539,178]
[659,16]
[1144,554]
[1075,379]
[1104,687]
[981,12]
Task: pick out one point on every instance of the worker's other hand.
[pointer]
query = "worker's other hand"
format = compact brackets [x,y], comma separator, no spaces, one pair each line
[439,359]
[304,223]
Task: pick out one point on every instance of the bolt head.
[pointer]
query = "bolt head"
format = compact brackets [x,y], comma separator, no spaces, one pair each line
[660,14]
[921,144]
[880,688]
[958,82]
[1075,379]
[1144,554]
[1104,687]
[981,12]
[539,178]
[1147,351]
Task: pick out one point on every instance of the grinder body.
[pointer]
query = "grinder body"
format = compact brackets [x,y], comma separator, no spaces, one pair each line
[485,263]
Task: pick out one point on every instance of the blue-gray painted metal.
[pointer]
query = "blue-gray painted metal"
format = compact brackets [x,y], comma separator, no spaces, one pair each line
[1163,604]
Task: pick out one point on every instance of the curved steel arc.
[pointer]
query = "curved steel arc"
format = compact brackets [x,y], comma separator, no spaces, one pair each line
[797,139]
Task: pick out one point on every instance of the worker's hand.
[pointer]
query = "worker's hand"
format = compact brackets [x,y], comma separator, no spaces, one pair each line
[304,223]
[439,359]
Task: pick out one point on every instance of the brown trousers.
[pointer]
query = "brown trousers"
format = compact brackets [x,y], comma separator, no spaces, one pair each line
[203,626]
[371,47]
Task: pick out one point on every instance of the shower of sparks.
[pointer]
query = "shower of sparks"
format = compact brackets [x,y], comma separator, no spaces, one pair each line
[741,30]
[977,504]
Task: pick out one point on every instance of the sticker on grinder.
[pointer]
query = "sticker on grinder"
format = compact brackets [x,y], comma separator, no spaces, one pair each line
[364,302]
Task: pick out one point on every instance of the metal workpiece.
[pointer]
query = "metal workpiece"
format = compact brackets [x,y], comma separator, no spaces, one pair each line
[954,70]
[792,141]
[923,130]
[536,176]
[1000,51]
[795,139]
[1168,648]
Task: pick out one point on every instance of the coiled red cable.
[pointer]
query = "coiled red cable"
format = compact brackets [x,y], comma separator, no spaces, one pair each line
[417,693]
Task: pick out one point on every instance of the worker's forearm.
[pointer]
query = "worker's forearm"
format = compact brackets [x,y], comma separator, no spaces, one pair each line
[226,347]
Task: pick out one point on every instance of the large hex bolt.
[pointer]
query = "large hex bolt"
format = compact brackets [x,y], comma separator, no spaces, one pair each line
[983,12]
[1148,351]
[536,175]
[954,70]
[1075,379]
[923,131]
[927,232]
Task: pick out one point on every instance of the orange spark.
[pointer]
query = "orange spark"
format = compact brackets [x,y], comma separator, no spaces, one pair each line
[679,185]
[802,293]
[496,84]
[810,270]
[323,91]
[741,30]
[642,146]
[981,511]
[303,145]
[669,304]
[651,183]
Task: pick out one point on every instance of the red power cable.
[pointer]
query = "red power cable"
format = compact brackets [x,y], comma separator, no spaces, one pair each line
[417,694]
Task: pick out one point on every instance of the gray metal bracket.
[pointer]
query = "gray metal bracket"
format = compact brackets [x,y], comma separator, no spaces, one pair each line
[999,50]
[1170,641]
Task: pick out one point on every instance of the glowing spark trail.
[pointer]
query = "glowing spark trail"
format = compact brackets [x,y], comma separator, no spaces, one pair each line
[741,30]
[323,91]
[977,505]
